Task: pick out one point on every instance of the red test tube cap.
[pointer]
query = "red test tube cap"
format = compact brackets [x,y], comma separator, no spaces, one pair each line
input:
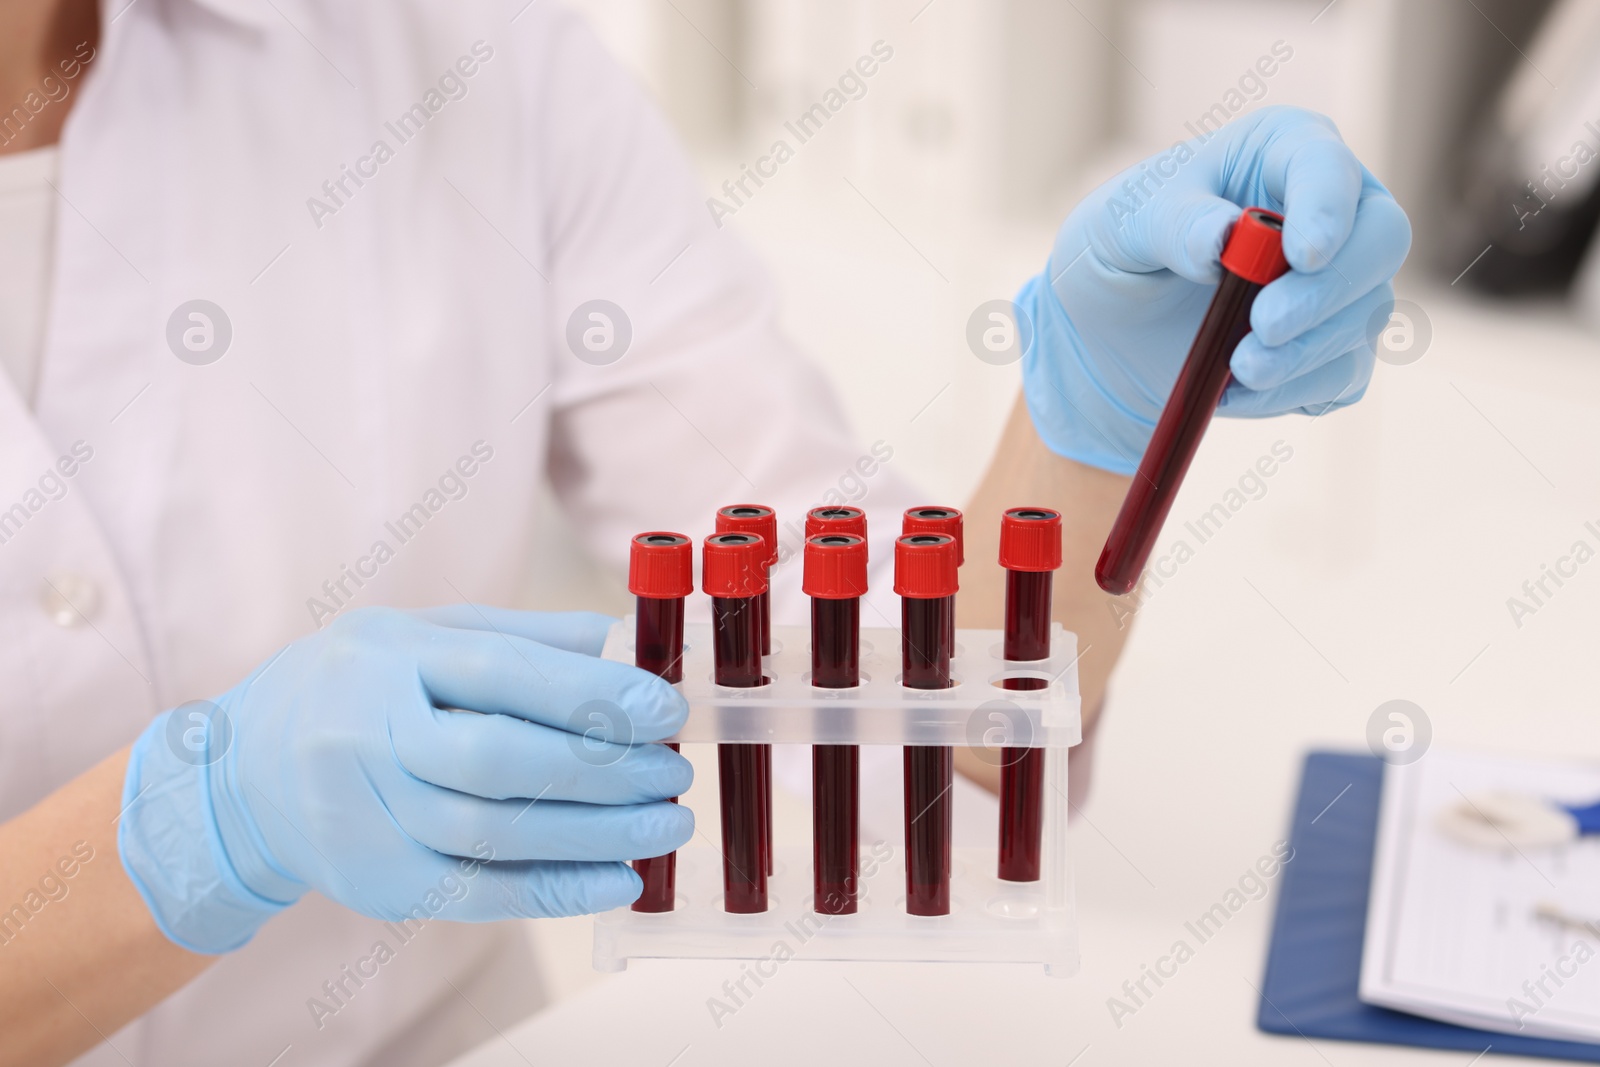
[755,519]
[1254,249]
[936,520]
[840,519]
[835,567]
[734,565]
[925,566]
[1030,539]
[661,565]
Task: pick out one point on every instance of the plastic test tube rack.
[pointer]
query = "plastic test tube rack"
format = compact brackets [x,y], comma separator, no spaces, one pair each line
[990,920]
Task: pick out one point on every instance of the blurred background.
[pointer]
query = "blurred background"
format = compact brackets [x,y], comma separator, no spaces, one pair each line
[941,180]
[1381,561]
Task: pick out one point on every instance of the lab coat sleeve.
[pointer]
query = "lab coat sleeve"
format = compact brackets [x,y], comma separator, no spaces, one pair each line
[708,405]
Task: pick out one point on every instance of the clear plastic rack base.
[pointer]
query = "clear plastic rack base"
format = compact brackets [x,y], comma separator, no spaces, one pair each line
[990,920]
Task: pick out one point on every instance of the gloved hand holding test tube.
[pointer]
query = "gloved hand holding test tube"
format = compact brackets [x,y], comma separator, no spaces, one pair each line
[1138,263]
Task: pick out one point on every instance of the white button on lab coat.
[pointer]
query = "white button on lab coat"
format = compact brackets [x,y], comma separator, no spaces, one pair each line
[397,208]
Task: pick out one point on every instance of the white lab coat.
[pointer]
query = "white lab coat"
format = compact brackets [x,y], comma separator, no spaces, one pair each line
[376,340]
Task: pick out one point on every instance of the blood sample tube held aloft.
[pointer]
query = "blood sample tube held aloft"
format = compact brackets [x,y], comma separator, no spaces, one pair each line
[835,578]
[660,575]
[1251,258]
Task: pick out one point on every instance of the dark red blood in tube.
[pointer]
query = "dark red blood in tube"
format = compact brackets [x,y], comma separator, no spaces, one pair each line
[1252,258]
[925,577]
[660,574]
[835,578]
[762,521]
[1030,552]
[1027,621]
[658,637]
[835,643]
[734,574]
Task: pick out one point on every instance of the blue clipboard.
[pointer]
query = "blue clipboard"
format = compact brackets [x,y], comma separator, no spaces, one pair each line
[1314,961]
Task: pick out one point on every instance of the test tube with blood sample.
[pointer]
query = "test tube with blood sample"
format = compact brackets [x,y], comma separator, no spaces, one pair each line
[1251,258]
[660,575]
[734,574]
[938,520]
[1030,552]
[835,579]
[925,577]
[762,521]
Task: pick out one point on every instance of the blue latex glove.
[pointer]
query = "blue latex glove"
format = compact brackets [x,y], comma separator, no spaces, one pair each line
[1135,265]
[344,774]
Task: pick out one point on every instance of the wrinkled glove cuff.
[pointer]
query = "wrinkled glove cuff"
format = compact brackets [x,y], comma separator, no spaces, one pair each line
[1073,414]
[173,851]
